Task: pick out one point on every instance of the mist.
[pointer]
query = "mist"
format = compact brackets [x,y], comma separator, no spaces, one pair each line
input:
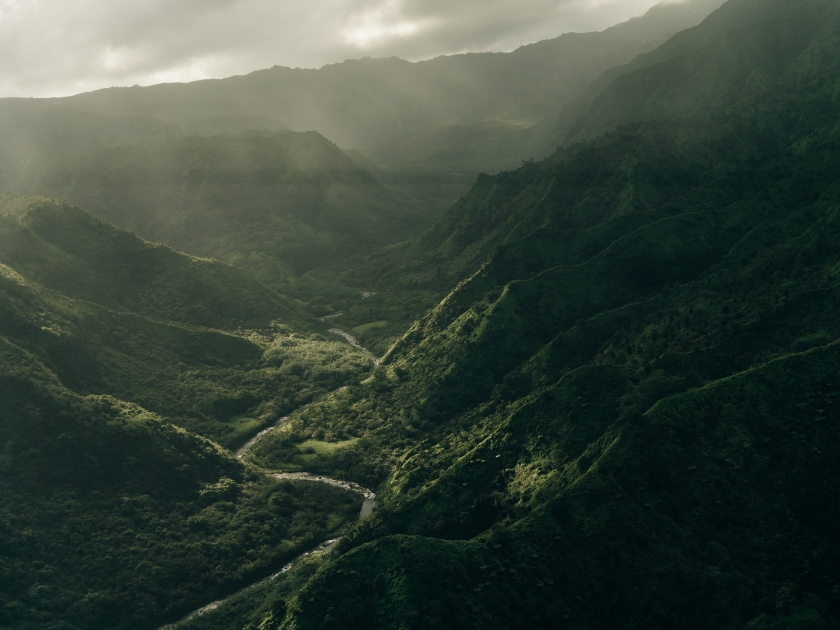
[58,48]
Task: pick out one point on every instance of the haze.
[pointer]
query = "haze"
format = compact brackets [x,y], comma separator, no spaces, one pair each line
[62,47]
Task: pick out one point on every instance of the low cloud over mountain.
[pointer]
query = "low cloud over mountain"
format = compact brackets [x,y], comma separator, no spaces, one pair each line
[54,47]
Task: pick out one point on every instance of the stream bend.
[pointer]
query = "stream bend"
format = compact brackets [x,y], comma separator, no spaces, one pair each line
[368,506]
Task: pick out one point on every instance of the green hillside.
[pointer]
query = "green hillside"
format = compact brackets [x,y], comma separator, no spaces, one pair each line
[715,509]
[729,59]
[710,86]
[112,514]
[68,250]
[114,519]
[626,414]
[194,340]
[277,205]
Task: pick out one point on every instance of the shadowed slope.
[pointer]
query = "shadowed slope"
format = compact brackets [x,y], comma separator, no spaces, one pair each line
[276,205]
[114,519]
[628,415]
[197,341]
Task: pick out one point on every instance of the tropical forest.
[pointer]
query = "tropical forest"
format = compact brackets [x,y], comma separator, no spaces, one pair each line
[541,339]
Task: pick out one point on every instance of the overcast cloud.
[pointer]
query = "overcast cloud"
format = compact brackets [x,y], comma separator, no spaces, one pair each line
[60,47]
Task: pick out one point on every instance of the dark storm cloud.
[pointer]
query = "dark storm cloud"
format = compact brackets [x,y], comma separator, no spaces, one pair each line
[53,47]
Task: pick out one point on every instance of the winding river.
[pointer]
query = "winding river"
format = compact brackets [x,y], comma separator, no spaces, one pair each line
[259,437]
[368,505]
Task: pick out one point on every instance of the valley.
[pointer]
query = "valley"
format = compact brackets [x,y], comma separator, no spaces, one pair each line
[368,506]
[540,339]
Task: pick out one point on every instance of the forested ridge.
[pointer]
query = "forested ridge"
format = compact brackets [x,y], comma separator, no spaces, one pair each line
[624,416]
[609,387]
[113,516]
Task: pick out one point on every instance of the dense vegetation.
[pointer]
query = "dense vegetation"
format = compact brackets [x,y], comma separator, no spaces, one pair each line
[627,415]
[617,407]
[112,518]
[195,340]
[277,205]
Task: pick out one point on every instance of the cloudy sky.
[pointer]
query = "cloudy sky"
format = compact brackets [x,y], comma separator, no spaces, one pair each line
[60,47]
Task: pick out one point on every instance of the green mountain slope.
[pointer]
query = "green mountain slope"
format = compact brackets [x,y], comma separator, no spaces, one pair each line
[112,515]
[114,519]
[585,197]
[277,205]
[730,58]
[700,514]
[787,47]
[627,413]
[70,251]
[194,340]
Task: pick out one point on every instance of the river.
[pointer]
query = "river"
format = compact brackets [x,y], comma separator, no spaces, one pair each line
[368,505]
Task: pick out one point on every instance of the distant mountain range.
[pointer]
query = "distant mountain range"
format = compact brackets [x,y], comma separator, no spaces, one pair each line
[276,204]
[433,115]
[211,169]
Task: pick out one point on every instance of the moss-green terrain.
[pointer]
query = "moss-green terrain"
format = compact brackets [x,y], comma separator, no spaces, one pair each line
[624,416]
[116,355]
[114,518]
[609,396]
[192,339]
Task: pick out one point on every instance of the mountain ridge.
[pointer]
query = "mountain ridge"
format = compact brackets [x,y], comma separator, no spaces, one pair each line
[397,113]
[276,204]
[617,418]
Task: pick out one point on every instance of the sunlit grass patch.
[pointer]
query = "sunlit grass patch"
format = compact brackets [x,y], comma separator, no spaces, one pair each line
[297,456]
[243,425]
[360,330]
[315,448]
